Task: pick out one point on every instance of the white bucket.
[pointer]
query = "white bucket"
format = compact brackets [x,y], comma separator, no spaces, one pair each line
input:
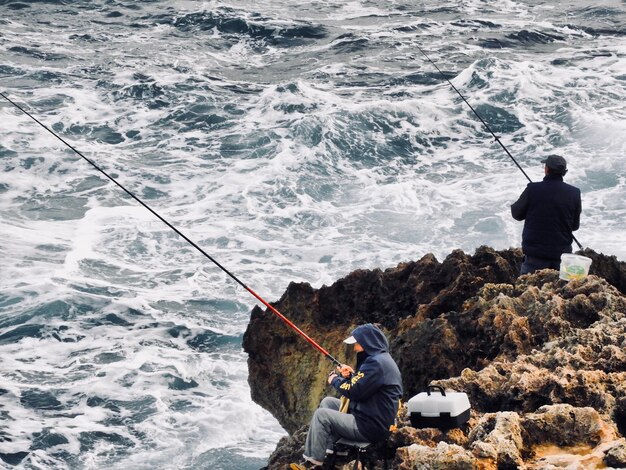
[574,266]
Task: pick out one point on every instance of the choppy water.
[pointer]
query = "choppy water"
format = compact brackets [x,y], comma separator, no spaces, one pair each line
[294,141]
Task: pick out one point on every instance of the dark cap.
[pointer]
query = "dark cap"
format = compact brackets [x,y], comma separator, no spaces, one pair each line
[555,162]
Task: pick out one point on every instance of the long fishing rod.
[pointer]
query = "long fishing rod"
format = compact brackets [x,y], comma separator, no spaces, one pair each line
[184,237]
[497,139]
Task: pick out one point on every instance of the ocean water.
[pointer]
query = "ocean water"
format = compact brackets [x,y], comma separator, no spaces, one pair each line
[293,142]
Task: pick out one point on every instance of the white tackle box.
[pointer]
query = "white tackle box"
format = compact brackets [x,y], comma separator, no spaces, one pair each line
[437,408]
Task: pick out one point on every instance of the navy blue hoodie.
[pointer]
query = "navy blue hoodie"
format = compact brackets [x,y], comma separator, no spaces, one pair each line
[375,388]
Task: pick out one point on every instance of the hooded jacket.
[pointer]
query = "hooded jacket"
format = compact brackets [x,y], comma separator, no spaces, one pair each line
[375,388]
[551,210]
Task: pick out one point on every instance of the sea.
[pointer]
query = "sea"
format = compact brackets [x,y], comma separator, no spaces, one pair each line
[291,142]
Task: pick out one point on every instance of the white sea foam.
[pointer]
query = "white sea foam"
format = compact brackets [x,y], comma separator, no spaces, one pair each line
[286,162]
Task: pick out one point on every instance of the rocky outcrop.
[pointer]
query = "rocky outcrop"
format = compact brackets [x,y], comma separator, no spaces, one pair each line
[287,377]
[541,359]
[607,267]
[554,437]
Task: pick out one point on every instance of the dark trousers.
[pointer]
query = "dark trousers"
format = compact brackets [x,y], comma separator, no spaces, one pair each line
[532,264]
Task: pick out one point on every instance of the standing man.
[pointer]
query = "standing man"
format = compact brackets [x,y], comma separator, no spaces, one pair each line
[551,211]
[374,391]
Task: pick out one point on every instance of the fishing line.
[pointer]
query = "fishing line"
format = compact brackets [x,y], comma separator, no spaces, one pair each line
[183,236]
[497,139]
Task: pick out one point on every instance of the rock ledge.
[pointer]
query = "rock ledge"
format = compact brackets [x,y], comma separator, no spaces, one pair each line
[542,360]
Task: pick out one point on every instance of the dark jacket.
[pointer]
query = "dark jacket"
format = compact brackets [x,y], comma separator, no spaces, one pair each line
[551,210]
[375,388]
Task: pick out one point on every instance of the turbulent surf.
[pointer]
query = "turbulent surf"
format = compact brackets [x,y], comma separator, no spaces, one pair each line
[293,142]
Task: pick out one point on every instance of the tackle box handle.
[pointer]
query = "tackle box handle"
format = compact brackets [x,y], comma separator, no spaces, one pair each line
[436,388]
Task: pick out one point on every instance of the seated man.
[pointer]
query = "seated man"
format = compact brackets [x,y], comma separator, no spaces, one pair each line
[374,391]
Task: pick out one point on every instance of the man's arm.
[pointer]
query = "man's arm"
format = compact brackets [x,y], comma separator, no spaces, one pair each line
[362,384]
[579,207]
[520,207]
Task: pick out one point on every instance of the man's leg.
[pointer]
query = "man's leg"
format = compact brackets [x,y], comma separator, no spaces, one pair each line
[532,264]
[316,435]
[328,425]
[331,403]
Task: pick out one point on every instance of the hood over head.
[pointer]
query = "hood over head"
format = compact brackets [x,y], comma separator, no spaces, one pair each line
[371,338]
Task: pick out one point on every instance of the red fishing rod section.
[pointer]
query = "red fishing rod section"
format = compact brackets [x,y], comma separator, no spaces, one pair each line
[184,237]
[290,323]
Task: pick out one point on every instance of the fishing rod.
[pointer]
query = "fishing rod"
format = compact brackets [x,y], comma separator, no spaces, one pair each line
[183,236]
[497,139]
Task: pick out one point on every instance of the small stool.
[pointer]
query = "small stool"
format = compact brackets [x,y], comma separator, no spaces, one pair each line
[360,447]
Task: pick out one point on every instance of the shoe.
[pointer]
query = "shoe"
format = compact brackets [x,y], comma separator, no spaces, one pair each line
[306,465]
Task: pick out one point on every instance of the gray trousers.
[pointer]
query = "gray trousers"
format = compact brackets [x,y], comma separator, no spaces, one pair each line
[327,426]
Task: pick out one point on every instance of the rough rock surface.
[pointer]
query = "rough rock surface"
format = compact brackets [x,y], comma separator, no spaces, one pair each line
[542,360]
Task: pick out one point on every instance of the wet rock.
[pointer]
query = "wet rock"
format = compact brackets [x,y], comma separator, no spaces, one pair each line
[565,425]
[289,449]
[607,267]
[287,377]
[542,360]
[498,437]
[615,456]
[448,456]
